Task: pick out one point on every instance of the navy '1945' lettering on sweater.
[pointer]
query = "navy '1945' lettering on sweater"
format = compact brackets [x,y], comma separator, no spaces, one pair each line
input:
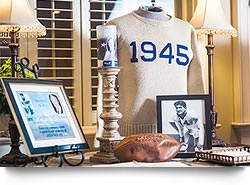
[149,48]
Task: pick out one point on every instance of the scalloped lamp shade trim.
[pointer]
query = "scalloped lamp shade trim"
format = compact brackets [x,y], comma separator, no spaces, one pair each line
[209,19]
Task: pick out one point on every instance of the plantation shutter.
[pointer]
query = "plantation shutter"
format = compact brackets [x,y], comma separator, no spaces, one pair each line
[4,48]
[59,51]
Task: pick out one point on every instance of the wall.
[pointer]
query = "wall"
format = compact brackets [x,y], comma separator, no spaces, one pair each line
[241,124]
[223,71]
[224,79]
[224,105]
[223,82]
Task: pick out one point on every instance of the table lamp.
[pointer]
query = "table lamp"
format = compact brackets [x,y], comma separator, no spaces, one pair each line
[17,19]
[209,19]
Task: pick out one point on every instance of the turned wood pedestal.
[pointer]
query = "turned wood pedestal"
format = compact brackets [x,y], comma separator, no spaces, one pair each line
[110,137]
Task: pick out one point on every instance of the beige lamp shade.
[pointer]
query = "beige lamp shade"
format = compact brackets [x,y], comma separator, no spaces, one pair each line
[209,19]
[17,15]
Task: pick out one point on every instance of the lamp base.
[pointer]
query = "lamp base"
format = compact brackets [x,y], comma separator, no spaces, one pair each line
[15,156]
[216,142]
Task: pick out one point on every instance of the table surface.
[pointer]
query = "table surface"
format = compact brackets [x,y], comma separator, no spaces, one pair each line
[176,162]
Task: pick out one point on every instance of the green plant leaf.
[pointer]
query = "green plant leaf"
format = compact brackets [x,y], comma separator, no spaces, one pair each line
[6,71]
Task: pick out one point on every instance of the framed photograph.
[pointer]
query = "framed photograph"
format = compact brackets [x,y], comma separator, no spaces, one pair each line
[43,115]
[187,119]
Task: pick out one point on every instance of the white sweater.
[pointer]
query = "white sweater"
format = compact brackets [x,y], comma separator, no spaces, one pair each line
[157,57]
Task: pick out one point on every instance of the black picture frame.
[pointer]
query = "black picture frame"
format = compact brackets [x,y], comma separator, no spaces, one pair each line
[44,129]
[195,127]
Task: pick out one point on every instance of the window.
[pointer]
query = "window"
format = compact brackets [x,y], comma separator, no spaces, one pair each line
[4,49]
[58,52]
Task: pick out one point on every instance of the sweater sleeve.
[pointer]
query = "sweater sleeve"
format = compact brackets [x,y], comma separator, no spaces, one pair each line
[195,75]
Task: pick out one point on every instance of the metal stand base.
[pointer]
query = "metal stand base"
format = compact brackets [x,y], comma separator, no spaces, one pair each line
[106,154]
[63,159]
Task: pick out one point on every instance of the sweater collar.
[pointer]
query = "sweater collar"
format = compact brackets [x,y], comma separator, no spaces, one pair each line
[152,12]
[155,17]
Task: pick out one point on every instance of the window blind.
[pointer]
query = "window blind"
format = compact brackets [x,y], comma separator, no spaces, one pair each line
[58,51]
[4,48]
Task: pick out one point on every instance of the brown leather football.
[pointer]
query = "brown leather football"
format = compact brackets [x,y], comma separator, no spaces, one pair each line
[149,147]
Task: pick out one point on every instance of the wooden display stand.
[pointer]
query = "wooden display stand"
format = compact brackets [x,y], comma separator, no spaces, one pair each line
[110,116]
